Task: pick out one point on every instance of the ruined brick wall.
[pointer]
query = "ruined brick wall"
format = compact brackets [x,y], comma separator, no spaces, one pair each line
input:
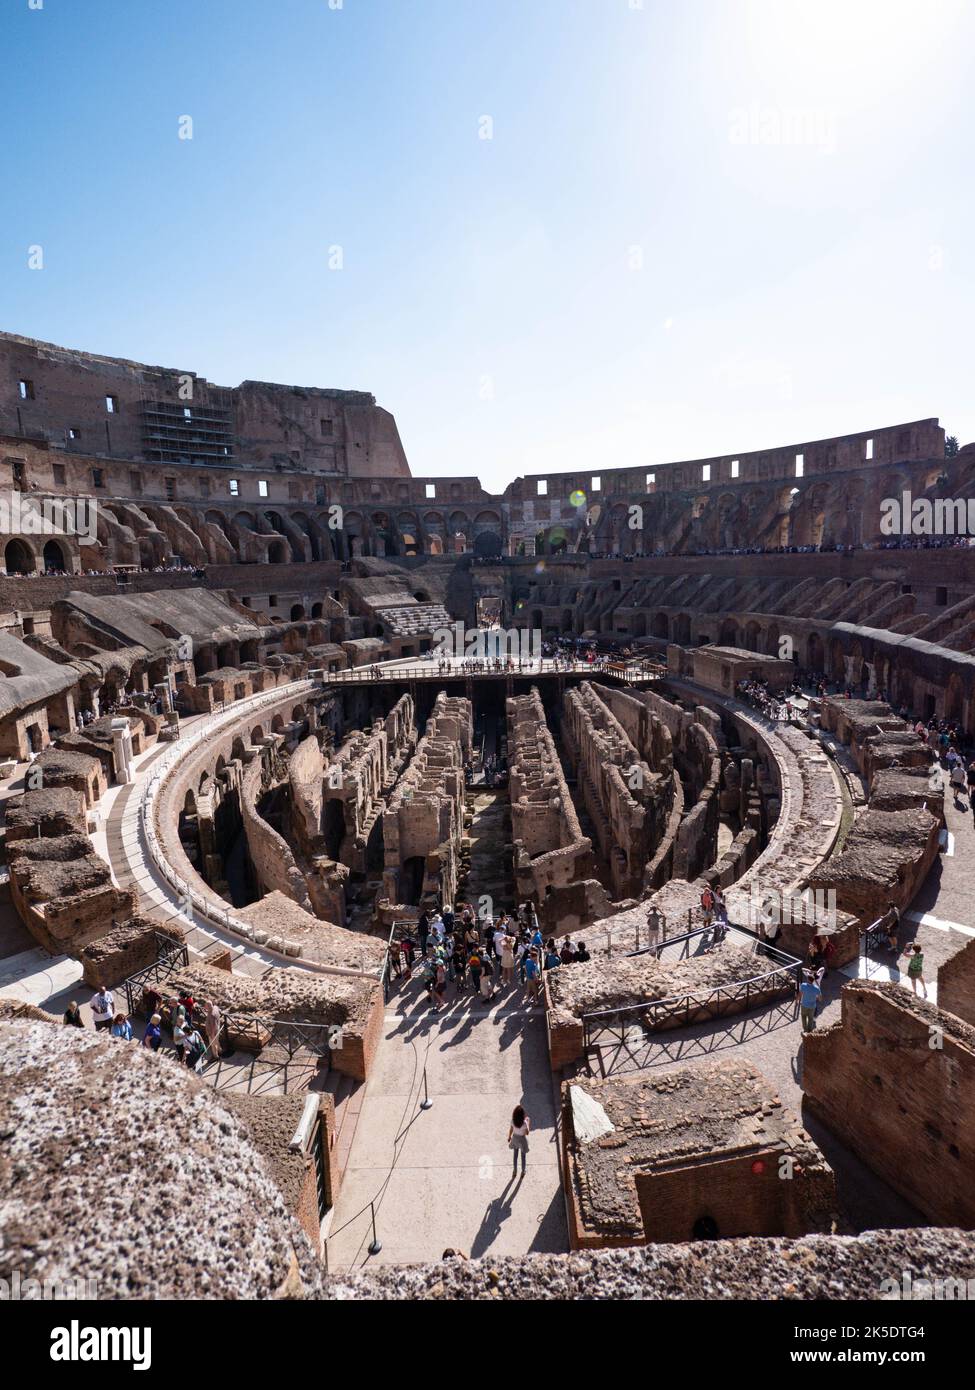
[270,855]
[543,817]
[956,984]
[126,949]
[356,784]
[894,841]
[671,1148]
[329,431]
[423,823]
[916,1063]
[628,798]
[353,1005]
[553,861]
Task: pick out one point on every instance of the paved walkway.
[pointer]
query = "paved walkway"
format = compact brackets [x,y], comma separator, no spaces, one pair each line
[120,842]
[442,1177]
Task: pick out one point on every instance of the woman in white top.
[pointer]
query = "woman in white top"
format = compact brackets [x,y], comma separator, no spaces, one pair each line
[180,1038]
[508,959]
[518,1138]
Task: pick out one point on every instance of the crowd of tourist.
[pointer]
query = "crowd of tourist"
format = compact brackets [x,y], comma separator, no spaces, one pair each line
[779,706]
[52,572]
[193,1025]
[921,543]
[480,956]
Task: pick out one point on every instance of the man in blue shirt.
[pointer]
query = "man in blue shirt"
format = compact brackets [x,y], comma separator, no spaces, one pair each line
[809,997]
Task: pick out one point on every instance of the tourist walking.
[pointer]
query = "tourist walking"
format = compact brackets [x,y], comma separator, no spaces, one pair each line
[102,1008]
[195,1048]
[498,939]
[475,965]
[396,957]
[707,905]
[893,925]
[915,970]
[654,921]
[72,1016]
[439,985]
[122,1028]
[458,966]
[487,978]
[152,1037]
[180,1034]
[508,960]
[518,1139]
[532,975]
[959,781]
[809,997]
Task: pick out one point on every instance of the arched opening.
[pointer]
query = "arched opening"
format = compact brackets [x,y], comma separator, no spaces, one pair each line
[487,545]
[386,540]
[189,830]
[18,558]
[297,612]
[411,879]
[661,626]
[54,560]
[815,653]
[333,828]
[705,1228]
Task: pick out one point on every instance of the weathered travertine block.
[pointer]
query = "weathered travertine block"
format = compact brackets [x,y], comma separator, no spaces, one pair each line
[674,1156]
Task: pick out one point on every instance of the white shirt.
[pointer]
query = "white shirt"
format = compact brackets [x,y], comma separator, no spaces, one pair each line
[103,1006]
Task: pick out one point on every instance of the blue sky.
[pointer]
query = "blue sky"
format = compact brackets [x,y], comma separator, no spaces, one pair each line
[697,228]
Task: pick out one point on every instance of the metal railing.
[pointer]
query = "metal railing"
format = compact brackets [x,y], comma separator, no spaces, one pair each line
[171,955]
[680,1010]
[191,899]
[460,669]
[211,910]
[252,1033]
